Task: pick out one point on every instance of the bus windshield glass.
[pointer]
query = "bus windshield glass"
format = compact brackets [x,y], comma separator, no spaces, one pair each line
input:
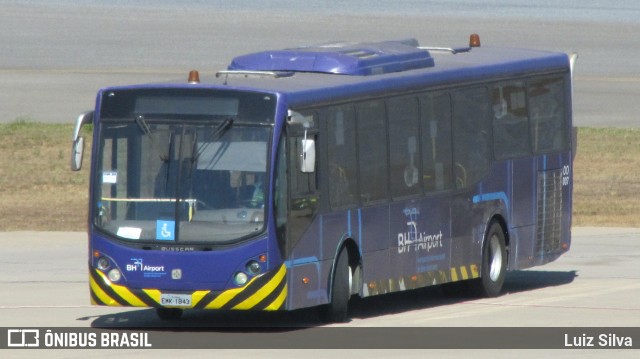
[172,169]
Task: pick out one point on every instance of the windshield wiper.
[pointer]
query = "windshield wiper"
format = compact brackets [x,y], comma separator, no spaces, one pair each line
[144,127]
[222,128]
[140,121]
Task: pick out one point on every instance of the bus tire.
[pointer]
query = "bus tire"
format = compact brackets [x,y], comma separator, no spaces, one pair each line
[336,310]
[494,263]
[169,313]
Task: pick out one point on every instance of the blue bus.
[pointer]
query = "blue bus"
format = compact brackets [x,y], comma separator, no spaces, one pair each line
[302,177]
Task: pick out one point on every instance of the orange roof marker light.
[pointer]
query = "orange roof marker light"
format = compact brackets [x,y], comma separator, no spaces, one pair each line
[194,77]
[474,40]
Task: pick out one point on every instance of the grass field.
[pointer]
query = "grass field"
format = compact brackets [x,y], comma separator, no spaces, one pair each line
[39,192]
[607,178]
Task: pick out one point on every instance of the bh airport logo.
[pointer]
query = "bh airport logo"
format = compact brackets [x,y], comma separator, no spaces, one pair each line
[148,271]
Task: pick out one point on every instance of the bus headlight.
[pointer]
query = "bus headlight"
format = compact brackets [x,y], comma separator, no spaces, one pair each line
[253,267]
[114,275]
[240,279]
[103,264]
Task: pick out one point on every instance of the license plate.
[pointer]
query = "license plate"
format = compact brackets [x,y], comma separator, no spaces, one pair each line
[175,300]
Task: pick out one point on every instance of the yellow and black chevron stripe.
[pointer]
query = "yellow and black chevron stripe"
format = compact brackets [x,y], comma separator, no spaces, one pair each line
[265,292]
[422,280]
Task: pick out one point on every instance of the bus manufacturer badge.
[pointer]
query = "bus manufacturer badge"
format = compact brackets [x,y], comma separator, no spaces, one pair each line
[176,274]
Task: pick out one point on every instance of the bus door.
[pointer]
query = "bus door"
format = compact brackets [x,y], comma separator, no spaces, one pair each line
[471,162]
[515,166]
[297,226]
[420,182]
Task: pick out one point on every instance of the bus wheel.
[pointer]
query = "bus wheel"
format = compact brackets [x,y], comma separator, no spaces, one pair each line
[336,310]
[169,313]
[494,263]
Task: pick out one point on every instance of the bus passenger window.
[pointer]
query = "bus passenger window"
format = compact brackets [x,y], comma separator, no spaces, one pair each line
[436,142]
[372,151]
[341,138]
[403,146]
[547,111]
[470,136]
[510,121]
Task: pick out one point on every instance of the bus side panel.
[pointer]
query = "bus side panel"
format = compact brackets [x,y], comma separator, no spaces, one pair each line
[420,243]
[308,270]
[374,247]
[542,197]
[522,241]
[368,228]
[311,260]
[522,183]
[553,192]
[467,229]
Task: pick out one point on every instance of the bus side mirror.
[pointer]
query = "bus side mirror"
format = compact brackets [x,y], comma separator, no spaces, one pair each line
[76,154]
[77,147]
[308,146]
[308,156]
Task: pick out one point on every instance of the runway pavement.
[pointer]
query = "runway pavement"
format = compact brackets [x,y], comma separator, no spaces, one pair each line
[53,59]
[596,284]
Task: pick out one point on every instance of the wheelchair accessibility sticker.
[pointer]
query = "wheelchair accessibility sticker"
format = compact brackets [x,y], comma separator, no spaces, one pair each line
[165,230]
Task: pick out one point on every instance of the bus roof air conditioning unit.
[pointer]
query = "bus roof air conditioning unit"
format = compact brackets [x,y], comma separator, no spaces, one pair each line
[340,58]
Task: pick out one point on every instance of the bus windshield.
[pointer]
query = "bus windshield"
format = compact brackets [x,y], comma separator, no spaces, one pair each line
[179,179]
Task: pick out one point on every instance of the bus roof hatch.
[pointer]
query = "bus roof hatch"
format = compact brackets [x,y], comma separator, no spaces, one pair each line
[340,58]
